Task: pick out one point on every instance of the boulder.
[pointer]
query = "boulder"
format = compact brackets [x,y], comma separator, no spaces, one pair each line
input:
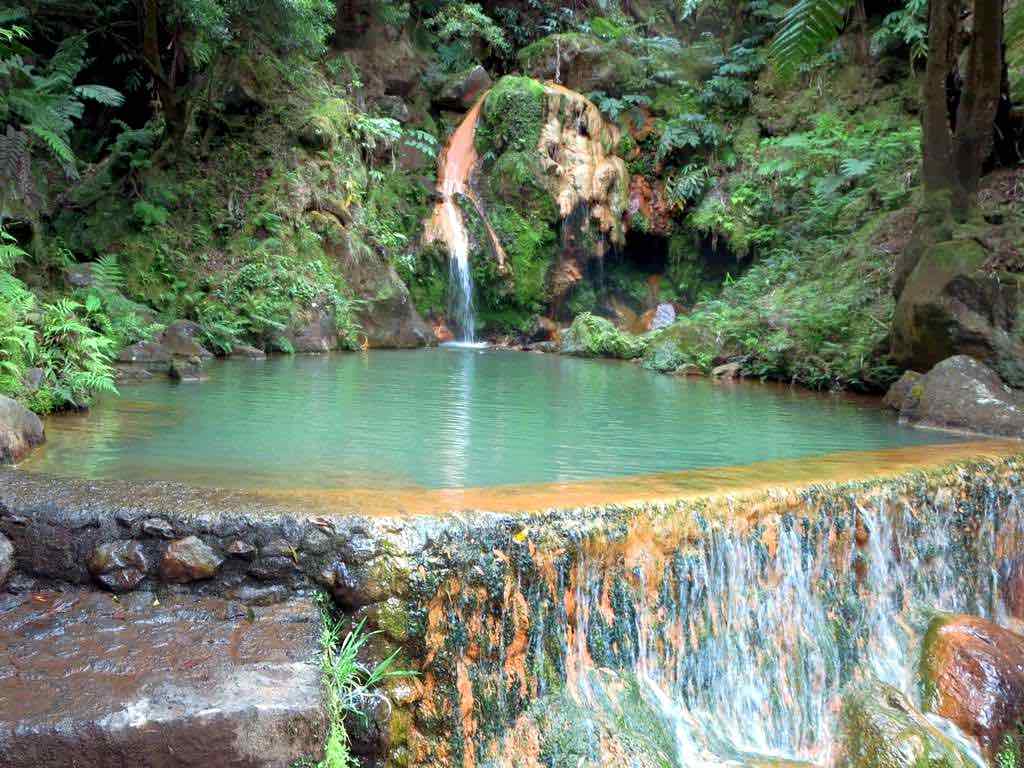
[727,371]
[33,379]
[879,728]
[20,431]
[664,316]
[79,276]
[461,91]
[583,62]
[972,673]
[543,329]
[6,558]
[120,566]
[593,336]
[189,559]
[952,304]
[189,370]
[387,317]
[899,391]
[180,339]
[313,332]
[961,393]
[181,682]
[145,353]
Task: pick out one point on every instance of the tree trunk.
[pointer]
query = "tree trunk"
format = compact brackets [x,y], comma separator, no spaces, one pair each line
[979,101]
[937,140]
[171,101]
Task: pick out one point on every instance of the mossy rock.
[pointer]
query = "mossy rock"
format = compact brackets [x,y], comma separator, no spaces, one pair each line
[952,305]
[325,124]
[513,114]
[879,728]
[593,336]
[680,343]
[585,62]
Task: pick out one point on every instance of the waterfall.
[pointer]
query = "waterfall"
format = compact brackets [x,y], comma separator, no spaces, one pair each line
[448,225]
[743,641]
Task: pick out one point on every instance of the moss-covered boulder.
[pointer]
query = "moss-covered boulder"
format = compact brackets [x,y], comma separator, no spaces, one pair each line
[584,62]
[972,673]
[593,336]
[879,728]
[512,116]
[678,344]
[953,304]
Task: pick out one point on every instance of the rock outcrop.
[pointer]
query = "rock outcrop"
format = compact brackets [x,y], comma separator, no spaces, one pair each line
[952,304]
[973,674]
[6,558]
[593,336]
[20,431]
[962,394]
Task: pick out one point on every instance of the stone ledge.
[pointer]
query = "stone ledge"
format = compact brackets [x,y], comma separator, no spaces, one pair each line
[92,680]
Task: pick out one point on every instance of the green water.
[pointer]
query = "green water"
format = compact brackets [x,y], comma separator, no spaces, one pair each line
[449,418]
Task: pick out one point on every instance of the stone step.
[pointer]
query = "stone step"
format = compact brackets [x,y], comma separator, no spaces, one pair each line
[90,679]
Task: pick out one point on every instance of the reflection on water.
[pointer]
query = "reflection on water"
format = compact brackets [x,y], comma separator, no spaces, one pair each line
[451,419]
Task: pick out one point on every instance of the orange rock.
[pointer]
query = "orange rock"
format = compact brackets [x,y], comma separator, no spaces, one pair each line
[973,674]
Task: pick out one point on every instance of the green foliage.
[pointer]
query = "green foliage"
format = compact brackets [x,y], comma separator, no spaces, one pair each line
[461,26]
[908,27]
[805,29]
[593,336]
[688,132]
[512,116]
[348,682]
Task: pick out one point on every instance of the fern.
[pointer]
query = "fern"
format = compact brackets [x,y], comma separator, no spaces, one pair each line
[804,29]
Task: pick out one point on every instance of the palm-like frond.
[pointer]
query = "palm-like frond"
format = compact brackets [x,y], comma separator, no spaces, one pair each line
[804,29]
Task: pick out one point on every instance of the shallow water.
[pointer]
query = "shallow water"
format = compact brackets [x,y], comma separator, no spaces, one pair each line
[450,418]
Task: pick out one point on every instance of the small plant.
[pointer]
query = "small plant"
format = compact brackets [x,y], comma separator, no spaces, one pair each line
[348,683]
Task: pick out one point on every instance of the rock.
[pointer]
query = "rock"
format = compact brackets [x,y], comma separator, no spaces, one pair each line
[664,316]
[952,304]
[961,393]
[393,107]
[543,329]
[20,431]
[593,336]
[584,62]
[131,372]
[6,558]
[727,371]
[247,351]
[313,332]
[33,379]
[899,391]
[687,369]
[186,682]
[387,316]
[879,728]
[242,549]
[190,370]
[189,559]
[180,339]
[972,673]
[79,276]
[147,352]
[120,566]
[461,91]
[158,527]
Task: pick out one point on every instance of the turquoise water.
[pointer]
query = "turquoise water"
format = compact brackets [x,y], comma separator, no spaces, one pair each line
[449,418]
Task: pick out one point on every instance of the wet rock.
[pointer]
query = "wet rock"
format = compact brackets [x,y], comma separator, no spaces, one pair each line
[313,332]
[899,391]
[181,339]
[369,731]
[146,352]
[687,369]
[20,431]
[973,674]
[6,558]
[242,549]
[879,728]
[130,372]
[189,559]
[961,393]
[593,336]
[120,566]
[352,586]
[247,351]
[393,107]
[461,91]
[190,370]
[952,304]
[33,379]
[387,317]
[260,595]
[543,329]
[727,371]
[183,683]
[158,527]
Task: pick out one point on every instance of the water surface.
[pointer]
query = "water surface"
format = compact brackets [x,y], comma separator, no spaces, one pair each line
[450,419]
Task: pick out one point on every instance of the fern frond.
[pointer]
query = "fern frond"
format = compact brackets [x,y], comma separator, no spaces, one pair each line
[101,94]
[805,28]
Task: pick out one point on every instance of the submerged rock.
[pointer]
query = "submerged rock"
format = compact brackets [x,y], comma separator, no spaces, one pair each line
[187,370]
[189,559]
[879,728]
[972,673]
[20,431]
[175,683]
[120,566]
[952,304]
[6,558]
[961,393]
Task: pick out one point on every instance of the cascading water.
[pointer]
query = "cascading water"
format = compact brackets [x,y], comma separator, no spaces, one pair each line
[744,641]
